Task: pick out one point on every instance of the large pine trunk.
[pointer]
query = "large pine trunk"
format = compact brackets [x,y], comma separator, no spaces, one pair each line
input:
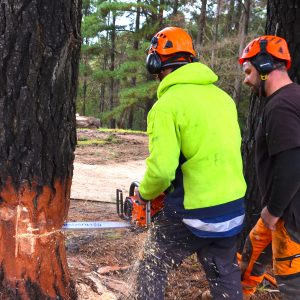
[283,19]
[39,53]
[253,197]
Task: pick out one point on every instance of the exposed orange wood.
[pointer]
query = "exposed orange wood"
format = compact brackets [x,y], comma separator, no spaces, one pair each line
[32,250]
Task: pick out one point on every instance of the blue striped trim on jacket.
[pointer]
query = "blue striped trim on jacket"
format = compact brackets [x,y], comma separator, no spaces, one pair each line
[222,220]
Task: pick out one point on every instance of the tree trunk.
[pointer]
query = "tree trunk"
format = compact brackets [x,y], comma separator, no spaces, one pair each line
[101,97]
[103,85]
[243,31]
[237,15]
[216,33]
[229,18]
[136,48]
[253,197]
[201,25]
[161,13]
[112,68]
[39,54]
[84,94]
[175,4]
[283,20]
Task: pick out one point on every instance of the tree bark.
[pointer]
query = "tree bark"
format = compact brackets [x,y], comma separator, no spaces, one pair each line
[39,54]
[237,15]
[112,68]
[161,13]
[131,109]
[252,197]
[103,86]
[283,20]
[216,33]
[229,18]
[242,35]
[201,25]
[84,93]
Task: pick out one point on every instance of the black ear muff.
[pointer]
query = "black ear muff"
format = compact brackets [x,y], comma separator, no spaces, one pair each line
[194,59]
[153,63]
[263,62]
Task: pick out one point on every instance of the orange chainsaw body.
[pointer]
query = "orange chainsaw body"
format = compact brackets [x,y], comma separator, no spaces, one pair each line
[135,212]
[139,211]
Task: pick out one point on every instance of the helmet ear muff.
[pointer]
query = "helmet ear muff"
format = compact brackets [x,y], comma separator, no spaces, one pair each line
[263,61]
[153,63]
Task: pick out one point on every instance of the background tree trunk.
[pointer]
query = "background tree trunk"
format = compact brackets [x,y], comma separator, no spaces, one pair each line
[237,15]
[39,53]
[85,84]
[201,25]
[112,68]
[216,33]
[136,48]
[229,17]
[242,35]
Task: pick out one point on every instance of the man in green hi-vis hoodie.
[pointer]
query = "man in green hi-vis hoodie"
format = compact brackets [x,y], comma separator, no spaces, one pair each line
[194,144]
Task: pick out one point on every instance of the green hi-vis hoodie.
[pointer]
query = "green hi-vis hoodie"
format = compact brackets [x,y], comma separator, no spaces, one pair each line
[194,117]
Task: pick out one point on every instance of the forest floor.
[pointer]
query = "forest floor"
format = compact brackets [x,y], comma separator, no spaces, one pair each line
[103,262]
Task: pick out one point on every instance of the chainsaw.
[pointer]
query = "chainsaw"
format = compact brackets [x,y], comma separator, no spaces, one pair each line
[132,210]
[134,213]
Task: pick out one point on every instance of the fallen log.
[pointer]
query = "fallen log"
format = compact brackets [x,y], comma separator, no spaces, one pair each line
[87,122]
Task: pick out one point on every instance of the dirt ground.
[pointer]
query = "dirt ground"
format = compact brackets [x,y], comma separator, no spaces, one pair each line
[103,262]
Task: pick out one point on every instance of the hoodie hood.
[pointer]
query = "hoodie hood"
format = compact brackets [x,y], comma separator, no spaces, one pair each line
[193,73]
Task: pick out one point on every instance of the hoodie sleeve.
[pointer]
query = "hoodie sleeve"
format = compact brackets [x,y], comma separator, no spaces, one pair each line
[164,149]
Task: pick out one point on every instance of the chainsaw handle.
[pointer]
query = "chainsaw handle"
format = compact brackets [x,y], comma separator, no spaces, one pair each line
[133,185]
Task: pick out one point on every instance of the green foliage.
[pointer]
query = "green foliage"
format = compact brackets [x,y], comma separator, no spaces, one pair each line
[113,81]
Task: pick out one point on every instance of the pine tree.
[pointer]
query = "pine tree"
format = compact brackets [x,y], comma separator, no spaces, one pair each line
[39,54]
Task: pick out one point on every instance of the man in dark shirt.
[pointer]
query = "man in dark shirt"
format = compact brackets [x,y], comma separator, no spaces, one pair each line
[265,62]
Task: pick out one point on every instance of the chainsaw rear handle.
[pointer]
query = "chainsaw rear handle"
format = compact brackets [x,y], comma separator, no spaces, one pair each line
[133,185]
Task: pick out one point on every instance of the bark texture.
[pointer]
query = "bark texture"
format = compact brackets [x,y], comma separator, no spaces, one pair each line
[283,19]
[201,24]
[253,197]
[39,53]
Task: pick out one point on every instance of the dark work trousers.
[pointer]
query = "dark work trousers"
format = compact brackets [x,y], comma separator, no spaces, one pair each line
[169,243]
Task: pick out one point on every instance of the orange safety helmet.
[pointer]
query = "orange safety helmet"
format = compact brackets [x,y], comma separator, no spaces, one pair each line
[171,40]
[169,47]
[267,45]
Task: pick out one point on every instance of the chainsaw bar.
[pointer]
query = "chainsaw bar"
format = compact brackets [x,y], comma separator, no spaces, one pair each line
[95,225]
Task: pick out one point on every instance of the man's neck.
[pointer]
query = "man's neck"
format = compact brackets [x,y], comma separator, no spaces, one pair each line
[276,80]
[164,73]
